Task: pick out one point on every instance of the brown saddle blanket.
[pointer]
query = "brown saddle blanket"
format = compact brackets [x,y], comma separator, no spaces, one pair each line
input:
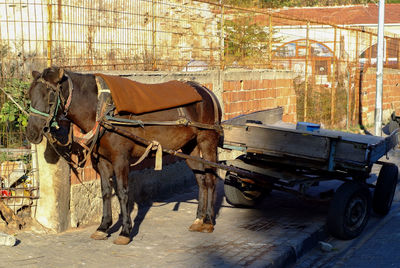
[134,97]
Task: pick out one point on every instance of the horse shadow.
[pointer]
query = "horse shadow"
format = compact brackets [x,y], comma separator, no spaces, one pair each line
[176,183]
[146,188]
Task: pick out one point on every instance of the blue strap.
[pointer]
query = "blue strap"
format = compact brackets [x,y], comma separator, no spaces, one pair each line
[53,123]
[33,110]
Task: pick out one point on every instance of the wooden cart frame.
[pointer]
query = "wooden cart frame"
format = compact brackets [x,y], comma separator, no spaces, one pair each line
[278,156]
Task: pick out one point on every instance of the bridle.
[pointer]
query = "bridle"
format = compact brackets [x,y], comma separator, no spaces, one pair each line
[54,104]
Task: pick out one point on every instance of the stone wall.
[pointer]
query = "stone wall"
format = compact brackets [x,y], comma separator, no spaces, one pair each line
[145,186]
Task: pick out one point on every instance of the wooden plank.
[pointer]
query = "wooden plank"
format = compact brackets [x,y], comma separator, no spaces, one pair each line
[279,140]
[351,152]
[283,140]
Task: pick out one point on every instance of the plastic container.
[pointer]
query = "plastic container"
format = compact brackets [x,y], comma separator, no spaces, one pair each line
[306,126]
[7,240]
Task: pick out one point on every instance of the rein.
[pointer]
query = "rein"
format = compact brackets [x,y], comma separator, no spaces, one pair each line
[179,122]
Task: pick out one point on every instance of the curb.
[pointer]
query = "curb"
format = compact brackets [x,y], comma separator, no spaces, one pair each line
[293,253]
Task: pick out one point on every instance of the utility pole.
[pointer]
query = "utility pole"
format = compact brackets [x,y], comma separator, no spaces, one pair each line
[379,70]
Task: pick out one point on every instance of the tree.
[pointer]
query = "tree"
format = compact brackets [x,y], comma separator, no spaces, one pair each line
[246,41]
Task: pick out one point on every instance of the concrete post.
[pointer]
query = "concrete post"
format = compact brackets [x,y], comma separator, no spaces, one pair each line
[54,188]
[379,69]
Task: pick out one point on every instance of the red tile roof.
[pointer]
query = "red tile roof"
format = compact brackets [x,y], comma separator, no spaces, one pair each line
[343,15]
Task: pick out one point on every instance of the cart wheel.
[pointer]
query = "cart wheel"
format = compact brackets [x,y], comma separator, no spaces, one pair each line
[349,210]
[385,189]
[239,193]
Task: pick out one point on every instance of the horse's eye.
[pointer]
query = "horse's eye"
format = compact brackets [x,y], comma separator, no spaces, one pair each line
[52,97]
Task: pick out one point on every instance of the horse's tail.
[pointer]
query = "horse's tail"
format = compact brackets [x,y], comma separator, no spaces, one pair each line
[216,106]
[214,99]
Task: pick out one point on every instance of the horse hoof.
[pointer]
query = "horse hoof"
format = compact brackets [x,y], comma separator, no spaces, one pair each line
[199,226]
[196,226]
[122,240]
[207,228]
[99,235]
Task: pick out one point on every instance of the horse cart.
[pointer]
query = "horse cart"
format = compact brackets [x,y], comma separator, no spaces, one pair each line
[130,119]
[292,158]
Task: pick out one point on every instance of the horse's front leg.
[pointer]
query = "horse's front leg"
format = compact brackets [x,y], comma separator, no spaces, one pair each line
[121,169]
[105,169]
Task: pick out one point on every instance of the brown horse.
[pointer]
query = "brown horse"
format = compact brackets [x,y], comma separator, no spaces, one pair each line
[52,97]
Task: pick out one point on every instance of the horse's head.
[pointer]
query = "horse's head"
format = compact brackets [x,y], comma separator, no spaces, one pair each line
[47,102]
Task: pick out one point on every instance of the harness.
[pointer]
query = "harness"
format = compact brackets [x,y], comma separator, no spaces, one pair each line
[105,119]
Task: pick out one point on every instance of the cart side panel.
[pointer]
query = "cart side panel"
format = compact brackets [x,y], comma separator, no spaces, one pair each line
[351,152]
[365,150]
[379,149]
[275,141]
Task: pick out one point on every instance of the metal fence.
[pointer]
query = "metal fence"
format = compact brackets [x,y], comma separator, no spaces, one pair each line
[329,59]
[184,35]
[193,35]
[97,35]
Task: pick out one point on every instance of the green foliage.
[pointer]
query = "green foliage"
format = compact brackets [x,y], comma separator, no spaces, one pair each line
[319,103]
[19,156]
[246,41]
[12,120]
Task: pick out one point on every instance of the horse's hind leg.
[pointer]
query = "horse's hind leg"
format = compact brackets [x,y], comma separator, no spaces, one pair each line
[198,170]
[105,169]
[206,180]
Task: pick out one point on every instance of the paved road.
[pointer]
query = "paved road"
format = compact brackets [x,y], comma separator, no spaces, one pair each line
[377,246]
[264,237]
[272,235]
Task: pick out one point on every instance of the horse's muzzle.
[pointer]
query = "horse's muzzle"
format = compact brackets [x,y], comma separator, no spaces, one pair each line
[35,140]
[33,135]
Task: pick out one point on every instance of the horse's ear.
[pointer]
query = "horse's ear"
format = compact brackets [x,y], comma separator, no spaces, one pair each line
[53,74]
[35,74]
[60,74]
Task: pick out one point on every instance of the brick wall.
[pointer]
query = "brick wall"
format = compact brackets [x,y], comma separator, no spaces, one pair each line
[390,97]
[257,91]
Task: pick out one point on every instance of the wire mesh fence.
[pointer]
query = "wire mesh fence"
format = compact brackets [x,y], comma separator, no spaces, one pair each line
[187,35]
[134,35]
[191,36]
